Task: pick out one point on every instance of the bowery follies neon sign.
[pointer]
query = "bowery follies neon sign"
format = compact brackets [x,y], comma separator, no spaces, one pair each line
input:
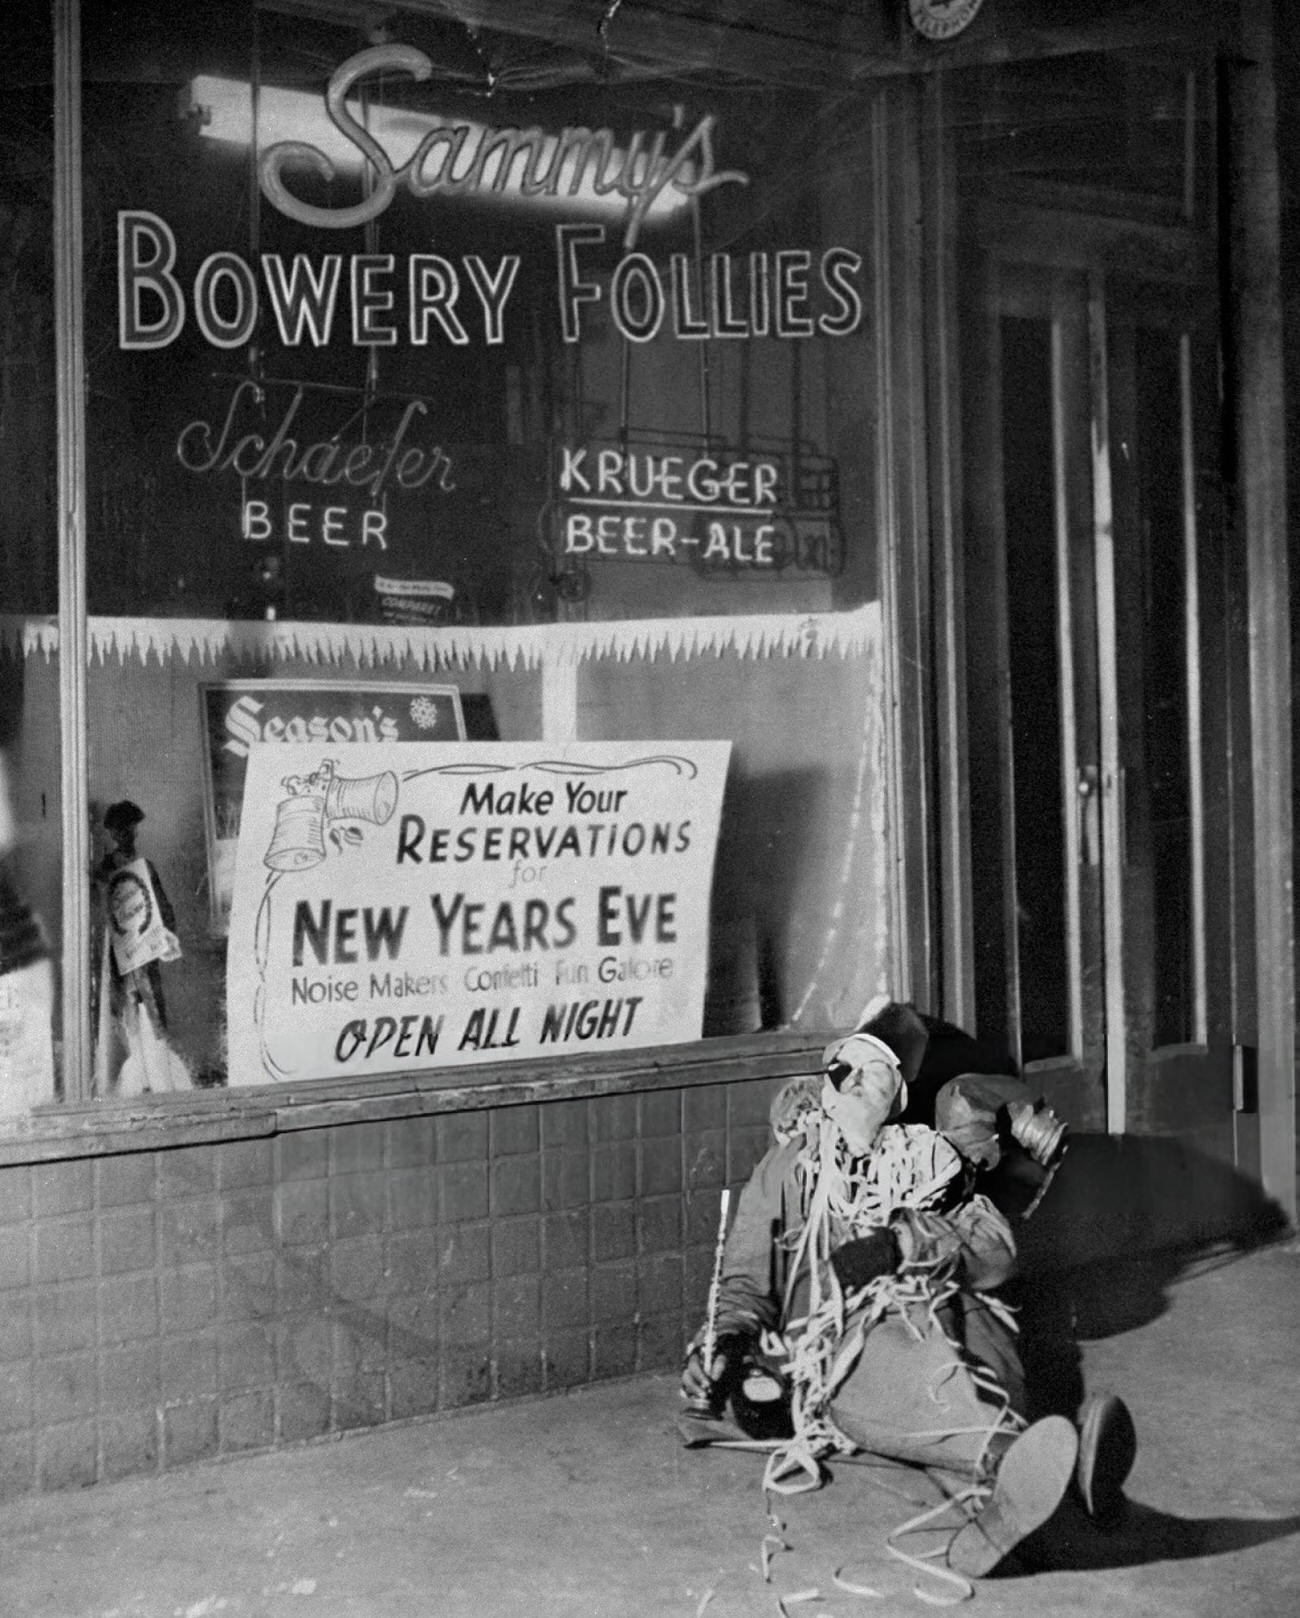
[377,300]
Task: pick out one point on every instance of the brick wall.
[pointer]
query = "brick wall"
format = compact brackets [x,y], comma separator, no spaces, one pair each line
[162,1306]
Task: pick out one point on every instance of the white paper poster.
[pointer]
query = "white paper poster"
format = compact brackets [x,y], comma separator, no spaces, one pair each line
[401,907]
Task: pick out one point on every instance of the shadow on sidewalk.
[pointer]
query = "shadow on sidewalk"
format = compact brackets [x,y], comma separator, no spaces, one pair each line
[1071,1542]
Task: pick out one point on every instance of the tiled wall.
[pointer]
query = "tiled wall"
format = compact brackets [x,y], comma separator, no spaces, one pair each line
[158,1307]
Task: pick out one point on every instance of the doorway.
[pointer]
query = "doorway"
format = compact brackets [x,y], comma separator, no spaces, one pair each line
[1100,688]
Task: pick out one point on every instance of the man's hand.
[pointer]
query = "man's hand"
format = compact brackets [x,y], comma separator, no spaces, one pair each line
[705,1385]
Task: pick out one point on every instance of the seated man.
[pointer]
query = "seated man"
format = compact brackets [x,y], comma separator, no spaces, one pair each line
[857,1283]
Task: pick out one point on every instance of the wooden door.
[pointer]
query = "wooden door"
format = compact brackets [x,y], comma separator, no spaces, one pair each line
[1097,677]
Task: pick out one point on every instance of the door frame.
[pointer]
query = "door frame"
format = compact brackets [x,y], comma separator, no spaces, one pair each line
[938,858]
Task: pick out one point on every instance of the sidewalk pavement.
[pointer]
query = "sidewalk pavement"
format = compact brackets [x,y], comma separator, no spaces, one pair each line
[585,1505]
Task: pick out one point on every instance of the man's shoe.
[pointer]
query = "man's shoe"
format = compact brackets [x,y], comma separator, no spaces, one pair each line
[1030,1485]
[1107,1448]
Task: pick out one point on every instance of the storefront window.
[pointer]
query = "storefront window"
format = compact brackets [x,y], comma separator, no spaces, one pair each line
[447,385]
[30,868]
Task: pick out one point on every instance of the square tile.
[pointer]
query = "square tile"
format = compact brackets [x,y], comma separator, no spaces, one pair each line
[659,1224]
[127,1240]
[613,1231]
[513,1130]
[465,1377]
[704,1107]
[462,1136]
[660,1113]
[244,1163]
[187,1299]
[248,1219]
[248,1286]
[465,1317]
[661,1166]
[412,1142]
[566,1239]
[303,1154]
[359,1401]
[64,1387]
[65,1250]
[613,1171]
[128,1444]
[16,1244]
[303,1412]
[413,1387]
[659,1284]
[413,1258]
[358,1148]
[564,1301]
[64,1318]
[128,1308]
[612,1117]
[566,1178]
[358,1204]
[189,1432]
[246,1421]
[62,1188]
[15,1193]
[17,1397]
[516,1185]
[130,1378]
[613,1349]
[516,1308]
[17,1335]
[245,1357]
[566,1360]
[706,1162]
[358,1269]
[302,1208]
[302,1281]
[66,1455]
[412,1198]
[516,1246]
[564,1123]
[518,1369]
[462,1191]
[189,1230]
[187,1368]
[187,1172]
[613,1292]
[464,1255]
[304,1349]
[661,1343]
[130,1178]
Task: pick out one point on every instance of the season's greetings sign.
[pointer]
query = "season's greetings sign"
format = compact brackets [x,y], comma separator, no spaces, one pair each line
[427,906]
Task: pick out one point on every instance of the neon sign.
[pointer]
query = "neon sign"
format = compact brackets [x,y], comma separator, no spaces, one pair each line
[455,158]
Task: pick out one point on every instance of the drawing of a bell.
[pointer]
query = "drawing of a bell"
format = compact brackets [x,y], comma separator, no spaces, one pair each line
[298,841]
[364,797]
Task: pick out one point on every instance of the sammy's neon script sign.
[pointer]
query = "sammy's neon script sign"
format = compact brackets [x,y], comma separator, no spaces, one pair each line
[640,173]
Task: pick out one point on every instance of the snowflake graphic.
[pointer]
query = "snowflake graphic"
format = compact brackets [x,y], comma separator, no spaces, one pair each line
[424,711]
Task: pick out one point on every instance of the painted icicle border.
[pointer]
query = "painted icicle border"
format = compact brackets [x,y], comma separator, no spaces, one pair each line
[209,640]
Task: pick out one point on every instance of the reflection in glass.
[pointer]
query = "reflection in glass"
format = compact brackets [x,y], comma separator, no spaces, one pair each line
[1035,674]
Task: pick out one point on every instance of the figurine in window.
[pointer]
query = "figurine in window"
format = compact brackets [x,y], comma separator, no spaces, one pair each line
[139,937]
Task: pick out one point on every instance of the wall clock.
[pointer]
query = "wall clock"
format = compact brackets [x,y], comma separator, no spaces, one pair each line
[942,19]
